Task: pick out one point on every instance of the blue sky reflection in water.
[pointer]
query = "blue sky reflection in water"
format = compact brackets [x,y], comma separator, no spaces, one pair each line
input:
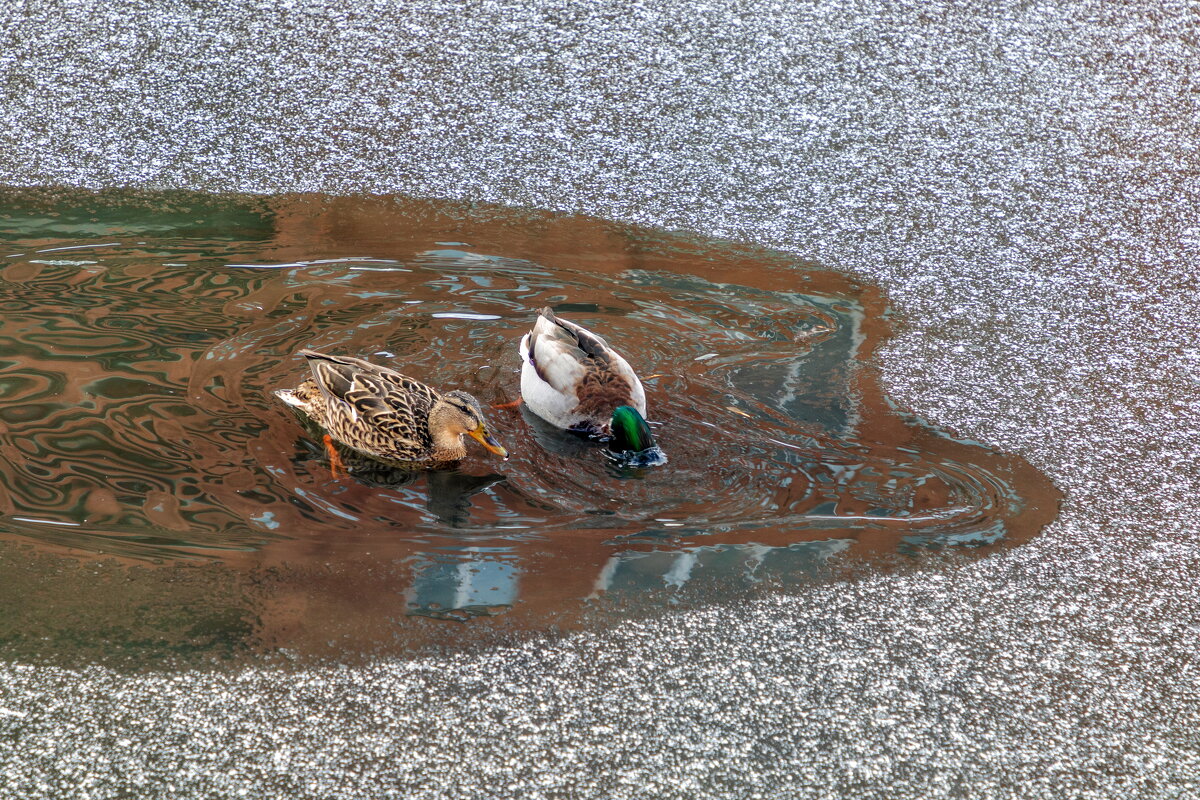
[142,336]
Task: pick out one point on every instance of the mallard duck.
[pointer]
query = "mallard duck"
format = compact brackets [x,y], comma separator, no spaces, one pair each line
[574,380]
[386,415]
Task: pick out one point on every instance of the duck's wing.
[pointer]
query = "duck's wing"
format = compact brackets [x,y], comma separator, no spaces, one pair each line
[556,351]
[372,407]
[580,364]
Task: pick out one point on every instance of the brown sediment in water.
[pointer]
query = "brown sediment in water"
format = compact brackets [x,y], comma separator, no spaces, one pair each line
[137,423]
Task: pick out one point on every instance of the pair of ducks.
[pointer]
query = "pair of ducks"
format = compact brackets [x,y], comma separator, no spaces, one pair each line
[570,377]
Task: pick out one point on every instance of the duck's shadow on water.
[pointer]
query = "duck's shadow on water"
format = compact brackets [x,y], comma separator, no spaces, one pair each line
[571,445]
[559,442]
[448,491]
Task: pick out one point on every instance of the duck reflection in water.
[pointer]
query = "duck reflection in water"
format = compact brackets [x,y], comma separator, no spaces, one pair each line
[449,491]
[620,463]
[390,427]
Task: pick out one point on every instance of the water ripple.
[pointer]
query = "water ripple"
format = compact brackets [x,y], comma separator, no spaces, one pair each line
[137,416]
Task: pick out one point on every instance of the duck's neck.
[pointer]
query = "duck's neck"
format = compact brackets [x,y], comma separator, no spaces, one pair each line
[447,446]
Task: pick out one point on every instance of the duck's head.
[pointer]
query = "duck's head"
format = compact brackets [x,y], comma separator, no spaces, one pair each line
[631,443]
[630,431]
[458,413]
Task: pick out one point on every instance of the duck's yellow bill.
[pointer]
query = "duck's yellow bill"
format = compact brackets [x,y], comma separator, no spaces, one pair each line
[489,442]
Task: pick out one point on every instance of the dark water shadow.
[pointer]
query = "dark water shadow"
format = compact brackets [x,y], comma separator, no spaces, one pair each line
[157,503]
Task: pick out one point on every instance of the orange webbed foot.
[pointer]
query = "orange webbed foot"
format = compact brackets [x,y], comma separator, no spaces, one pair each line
[336,468]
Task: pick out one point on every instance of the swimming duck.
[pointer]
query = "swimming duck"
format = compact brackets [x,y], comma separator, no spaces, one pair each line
[386,415]
[574,380]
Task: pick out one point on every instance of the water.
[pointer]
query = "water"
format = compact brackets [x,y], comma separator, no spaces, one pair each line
[156,500]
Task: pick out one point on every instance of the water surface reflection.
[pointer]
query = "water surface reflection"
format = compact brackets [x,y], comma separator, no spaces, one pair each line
[142,336]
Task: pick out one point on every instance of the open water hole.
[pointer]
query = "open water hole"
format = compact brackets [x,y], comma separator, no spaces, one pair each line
[158,503]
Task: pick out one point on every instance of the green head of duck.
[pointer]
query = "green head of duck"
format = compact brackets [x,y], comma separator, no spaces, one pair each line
[632,443]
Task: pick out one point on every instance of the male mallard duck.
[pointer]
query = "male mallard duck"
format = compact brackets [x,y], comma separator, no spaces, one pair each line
[571,378]
[386,415]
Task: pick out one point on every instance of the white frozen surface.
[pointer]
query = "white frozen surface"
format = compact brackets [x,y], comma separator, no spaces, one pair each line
[1021,178]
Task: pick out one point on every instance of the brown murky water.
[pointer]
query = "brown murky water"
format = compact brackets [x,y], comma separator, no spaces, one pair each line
[157,501]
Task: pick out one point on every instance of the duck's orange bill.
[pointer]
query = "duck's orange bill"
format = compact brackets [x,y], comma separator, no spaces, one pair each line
[486,439]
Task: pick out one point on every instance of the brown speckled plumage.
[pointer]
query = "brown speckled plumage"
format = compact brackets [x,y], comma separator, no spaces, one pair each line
[386,415]
[601,391]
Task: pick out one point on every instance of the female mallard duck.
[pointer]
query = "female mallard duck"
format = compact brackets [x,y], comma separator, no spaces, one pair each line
[571,378]
[386,415]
